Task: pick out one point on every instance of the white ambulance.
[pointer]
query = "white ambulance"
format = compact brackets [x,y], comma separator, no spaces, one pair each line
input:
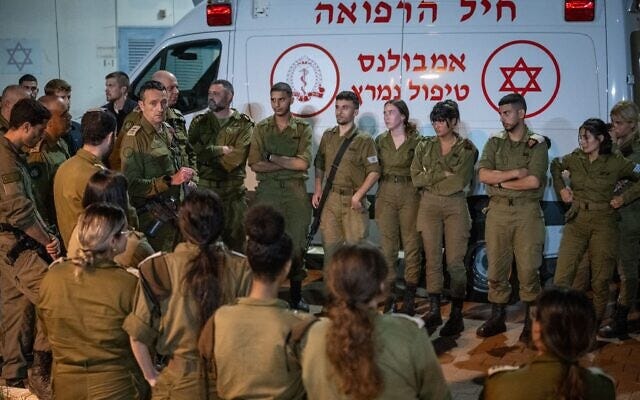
[571,59]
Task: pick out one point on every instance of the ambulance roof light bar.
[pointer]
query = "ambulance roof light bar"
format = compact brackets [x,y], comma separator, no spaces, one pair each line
[219,13]
[579,10]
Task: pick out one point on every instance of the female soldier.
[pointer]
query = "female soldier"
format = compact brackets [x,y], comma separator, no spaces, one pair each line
[626,137]
[250,335]
[179,292]
[83,303]
[563,331]
[111,187]
[592,221]
[442,168]
[397,200]
[360,354]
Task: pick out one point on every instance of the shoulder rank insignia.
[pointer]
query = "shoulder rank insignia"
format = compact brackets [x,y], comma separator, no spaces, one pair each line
[535,139]
[133,130]
[502,368]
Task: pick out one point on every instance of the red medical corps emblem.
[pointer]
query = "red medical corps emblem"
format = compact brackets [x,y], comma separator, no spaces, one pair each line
[313,75]
[524,67]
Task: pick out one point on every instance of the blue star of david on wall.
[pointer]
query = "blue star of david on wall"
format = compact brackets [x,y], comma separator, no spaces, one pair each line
[26,60]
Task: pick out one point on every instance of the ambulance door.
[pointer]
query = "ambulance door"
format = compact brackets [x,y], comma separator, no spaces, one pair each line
[195,60]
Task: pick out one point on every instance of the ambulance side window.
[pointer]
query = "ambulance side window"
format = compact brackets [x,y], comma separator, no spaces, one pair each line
[195,65]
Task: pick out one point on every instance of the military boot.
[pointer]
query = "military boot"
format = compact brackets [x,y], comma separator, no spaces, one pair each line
[525,336]
[455,323]
[495,324]
[295,293]
[39,381]
[433,318]
[409,300]
[618,328]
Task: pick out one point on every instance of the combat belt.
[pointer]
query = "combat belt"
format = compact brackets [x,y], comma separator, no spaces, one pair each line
[24,242]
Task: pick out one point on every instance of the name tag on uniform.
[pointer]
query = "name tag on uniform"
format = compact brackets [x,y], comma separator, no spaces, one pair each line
[372,159]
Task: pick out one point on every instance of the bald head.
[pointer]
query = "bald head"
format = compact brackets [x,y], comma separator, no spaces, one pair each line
[10,96]
[60,121]
[170,82]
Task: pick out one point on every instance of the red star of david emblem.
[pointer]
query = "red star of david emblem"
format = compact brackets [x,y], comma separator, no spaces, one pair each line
[520,66]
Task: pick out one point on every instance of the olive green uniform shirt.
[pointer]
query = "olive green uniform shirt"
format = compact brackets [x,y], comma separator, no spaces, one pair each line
[538,380]
[396,162]
[502,154]
[176,120]
[133,118]
[631,151]
[404,355]
[17,207]
[176,332]
[251,358]
[44,160]
[360,159]
[83,314]
[68,189]
[594,182]
[293,141]
[207,137]
[149,159]
[429,166]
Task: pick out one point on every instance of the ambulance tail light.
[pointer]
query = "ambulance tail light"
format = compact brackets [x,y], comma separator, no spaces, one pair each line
[218,13]
[579,10]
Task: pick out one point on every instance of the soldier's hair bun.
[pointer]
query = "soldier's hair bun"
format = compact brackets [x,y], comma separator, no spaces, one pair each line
[264,225]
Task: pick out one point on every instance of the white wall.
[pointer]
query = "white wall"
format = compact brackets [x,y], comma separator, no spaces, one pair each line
[79,45]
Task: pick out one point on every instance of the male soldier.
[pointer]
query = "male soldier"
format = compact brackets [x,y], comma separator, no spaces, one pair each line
[10,96]
[280,155]
[45,158]
[62,89]
[345,217]
[514,169]
[29,83]
[626,141]
[175,119]
[220,139]
[21,268]
[116,87]
[151,163]
[98,135]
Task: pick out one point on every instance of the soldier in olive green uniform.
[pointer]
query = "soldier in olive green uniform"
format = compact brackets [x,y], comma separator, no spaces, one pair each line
[20,278]
[513,167]
[220,139]
[72,176]
[10,96]
[345,217]
[133,118]
[280,155]
[363,341]
[167,313]
[397,200]
[250,335]
[442,169]
[45,158]
[93,357]
[564,331]
[626,133]
[592,220]
[151,163]
[176,120]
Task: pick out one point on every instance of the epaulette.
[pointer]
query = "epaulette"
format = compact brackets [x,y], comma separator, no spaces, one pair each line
[168,127]
[154,272]
[266,121]
[198,117]
[467,144]
[133,130]
[535,139]
[418,321]
[57,261]
[499,135]
[154,255]
[177,112]
[246,118]
[300,121]
[502,368]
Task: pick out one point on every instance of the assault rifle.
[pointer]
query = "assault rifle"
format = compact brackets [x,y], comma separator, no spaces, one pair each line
[163,210]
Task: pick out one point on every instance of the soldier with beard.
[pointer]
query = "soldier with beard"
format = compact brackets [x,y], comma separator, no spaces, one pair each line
[220,139]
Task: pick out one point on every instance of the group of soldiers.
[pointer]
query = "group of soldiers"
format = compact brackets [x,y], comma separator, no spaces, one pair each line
[44,172]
